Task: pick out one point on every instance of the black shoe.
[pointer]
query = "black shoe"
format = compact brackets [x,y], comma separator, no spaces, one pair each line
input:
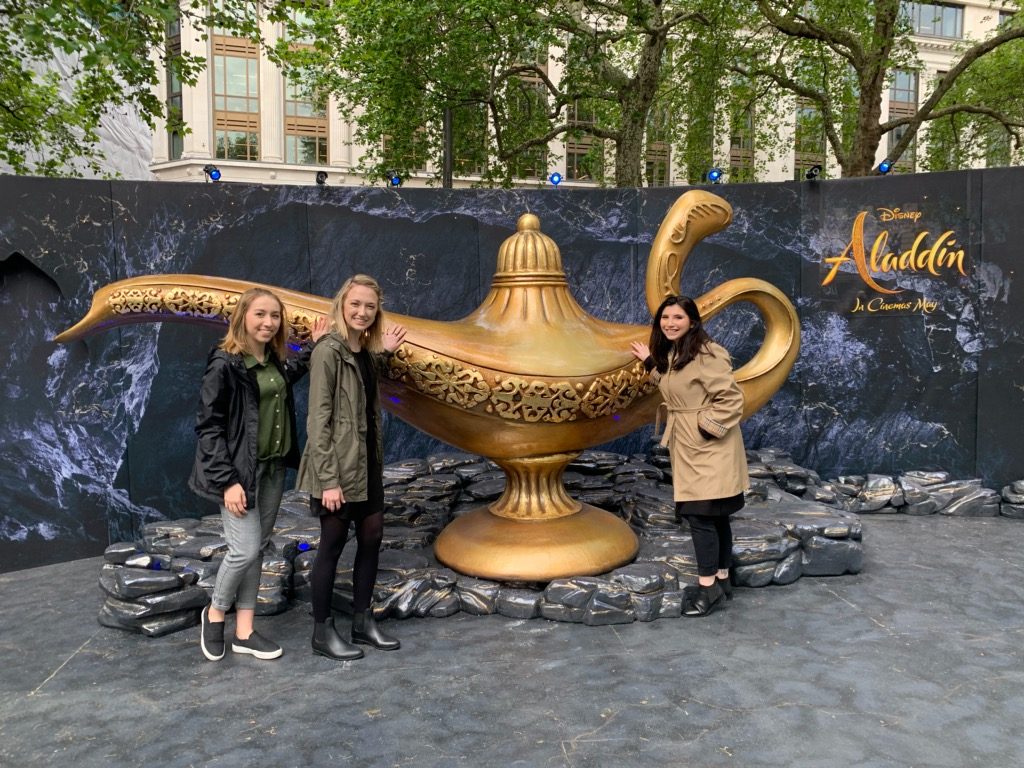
[726,585]
[704,600]
[257,645]
[211,636]
[327,642]
[366,632]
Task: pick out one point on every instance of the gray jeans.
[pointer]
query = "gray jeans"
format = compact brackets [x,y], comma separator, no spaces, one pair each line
[238,579]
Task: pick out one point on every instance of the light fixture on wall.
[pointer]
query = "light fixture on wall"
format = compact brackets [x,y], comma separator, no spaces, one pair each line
[321,177]
[813,172]
[212,172]
[715,175]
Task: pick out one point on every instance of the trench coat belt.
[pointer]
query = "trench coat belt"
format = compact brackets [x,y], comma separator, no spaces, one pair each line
[669,413]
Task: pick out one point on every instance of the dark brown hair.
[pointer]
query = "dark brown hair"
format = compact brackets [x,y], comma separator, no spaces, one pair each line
[686,347]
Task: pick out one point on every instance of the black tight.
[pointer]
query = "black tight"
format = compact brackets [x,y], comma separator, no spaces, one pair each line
[333,533]
[712,542]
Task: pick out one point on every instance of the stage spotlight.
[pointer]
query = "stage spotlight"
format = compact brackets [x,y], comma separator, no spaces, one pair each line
[394,179]
[884,167]
[555,178]
[813,172]
[321,177]
[715,175]
[212,172]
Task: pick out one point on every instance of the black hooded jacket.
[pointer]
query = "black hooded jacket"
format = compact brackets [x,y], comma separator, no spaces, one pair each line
[227,424]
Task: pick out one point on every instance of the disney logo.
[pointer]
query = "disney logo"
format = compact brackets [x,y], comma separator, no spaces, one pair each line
[895,214]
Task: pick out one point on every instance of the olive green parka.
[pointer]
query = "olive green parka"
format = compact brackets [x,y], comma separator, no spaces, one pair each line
[335,452]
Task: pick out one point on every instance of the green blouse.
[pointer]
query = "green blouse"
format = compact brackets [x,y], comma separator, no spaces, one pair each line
[274,435]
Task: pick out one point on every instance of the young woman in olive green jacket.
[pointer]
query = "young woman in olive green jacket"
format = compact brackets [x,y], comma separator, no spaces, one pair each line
[341,465]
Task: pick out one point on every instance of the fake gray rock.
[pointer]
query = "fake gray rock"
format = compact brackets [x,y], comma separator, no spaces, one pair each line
[831,557]
[128,583]
[477,596]
[443,463]
[755,575]
[119,552]
[519,603]
[875,495]
[793,525]
[789,569]
[977,502]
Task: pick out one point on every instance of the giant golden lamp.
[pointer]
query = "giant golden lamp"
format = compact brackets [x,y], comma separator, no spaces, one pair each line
[529,379]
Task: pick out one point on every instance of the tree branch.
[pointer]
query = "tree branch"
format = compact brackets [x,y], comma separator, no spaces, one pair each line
[945,84]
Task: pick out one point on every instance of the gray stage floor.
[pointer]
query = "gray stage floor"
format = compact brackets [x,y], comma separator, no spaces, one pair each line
[914,662]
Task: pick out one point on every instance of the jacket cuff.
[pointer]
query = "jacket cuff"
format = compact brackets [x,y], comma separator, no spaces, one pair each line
[649,363]
[712,428]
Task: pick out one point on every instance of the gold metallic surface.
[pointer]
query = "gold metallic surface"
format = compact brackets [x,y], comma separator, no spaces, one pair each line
[487,546]
[528,379]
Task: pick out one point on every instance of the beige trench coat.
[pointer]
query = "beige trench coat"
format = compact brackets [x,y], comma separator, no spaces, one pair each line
[704,393]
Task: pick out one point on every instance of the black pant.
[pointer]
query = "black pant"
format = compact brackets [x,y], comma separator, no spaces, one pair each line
[712,542]
[369,521]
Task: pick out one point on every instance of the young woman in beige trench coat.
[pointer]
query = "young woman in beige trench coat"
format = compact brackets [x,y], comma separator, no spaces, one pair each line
[702,408]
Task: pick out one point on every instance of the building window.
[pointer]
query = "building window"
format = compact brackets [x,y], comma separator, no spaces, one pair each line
[531,164]
[305,143]
[1005,16]
[305,128]
[528,106]
[935,19]
[469,140]
[236,98]
[299,29]
[903,103]
[741,145]
[175,141]
[903,88]
[410,153]
[583,153]
[659,152]
[809,139]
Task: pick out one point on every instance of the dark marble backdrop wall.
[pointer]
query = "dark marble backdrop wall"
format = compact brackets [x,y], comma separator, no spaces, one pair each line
[96,436]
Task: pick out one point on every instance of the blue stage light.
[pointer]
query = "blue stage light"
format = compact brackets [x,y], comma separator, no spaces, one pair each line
[715,175]
[212,172]
[555,178]
[884,167]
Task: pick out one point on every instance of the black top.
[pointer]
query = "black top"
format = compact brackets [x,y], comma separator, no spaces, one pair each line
[369,377]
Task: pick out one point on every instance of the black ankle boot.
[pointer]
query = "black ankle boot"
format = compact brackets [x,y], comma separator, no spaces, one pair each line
[704,600]
[366,631]
[726,585]
[327,642]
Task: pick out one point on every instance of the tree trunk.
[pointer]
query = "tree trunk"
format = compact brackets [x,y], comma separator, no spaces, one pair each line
[872,68]
[635,101]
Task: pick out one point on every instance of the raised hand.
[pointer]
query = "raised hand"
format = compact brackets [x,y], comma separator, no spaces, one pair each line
[640,350]
[394,335]
[320,326]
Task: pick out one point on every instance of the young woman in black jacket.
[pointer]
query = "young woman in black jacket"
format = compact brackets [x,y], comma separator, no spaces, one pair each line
[247,438]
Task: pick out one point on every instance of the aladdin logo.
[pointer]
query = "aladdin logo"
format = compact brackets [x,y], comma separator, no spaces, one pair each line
[943,254]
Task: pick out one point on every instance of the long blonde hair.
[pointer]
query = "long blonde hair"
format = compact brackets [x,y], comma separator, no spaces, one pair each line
[373,337]
[236,341]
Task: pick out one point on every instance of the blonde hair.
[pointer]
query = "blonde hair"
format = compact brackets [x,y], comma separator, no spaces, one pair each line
[236,341]
[373,337]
